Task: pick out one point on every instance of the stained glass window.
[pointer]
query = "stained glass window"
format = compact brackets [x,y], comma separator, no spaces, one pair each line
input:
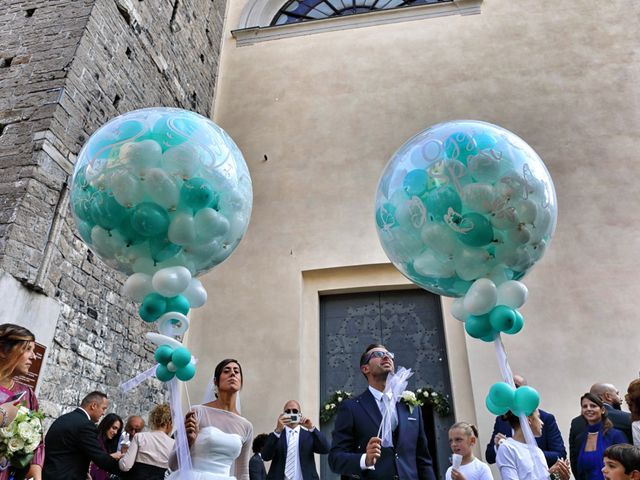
[295,11]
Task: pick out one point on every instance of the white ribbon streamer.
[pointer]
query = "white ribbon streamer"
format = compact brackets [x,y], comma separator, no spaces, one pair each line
[540,471]
[185,468]
[138,379]
[396,384]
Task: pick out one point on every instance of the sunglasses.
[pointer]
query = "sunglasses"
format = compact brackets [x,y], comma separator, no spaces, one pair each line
[377,354]
[291,410]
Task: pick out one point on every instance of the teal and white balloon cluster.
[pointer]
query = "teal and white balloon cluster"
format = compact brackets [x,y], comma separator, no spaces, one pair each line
[464,200]
[158,188]
[503,397]
[162,195]
[487,310]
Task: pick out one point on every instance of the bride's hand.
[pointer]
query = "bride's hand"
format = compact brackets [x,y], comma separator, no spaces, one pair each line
[191,426]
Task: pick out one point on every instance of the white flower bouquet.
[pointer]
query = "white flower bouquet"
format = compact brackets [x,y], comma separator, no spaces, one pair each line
[19,439]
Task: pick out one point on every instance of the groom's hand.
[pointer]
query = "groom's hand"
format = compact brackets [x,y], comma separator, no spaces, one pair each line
[374,451]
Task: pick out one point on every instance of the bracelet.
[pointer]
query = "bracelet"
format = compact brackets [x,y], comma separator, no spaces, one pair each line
[4,417]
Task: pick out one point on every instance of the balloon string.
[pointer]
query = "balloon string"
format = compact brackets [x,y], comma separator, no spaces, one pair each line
[540,471]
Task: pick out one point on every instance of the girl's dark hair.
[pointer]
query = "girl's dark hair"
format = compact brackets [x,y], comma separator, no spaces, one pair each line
[14,340]
[106,423]
[606,423]
[221,365]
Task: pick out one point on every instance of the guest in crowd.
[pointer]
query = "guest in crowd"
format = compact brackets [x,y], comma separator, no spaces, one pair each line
[292,445]
[550,442]
[633,401]
[135,424]
[621,462]
[463,437]
[219,438]
[514,455]
[592,442]
[109,431]
[609,397]
[16,355]
[72,442]
[147,457]
[256,464]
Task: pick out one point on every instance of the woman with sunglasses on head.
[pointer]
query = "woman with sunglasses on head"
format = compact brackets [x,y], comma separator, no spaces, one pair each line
[16,355]
[219,438]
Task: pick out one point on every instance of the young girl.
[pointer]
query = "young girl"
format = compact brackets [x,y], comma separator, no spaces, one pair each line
[462,439]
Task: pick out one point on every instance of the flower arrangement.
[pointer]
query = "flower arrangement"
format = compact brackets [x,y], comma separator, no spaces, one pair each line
[19,439]
[410,400]
[330,407]
[437,400]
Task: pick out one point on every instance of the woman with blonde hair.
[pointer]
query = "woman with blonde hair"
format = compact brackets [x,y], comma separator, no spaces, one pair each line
[148,455]
[16,355]
[633,401]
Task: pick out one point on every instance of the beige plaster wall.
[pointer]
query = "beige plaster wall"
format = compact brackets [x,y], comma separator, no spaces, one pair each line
[328,110]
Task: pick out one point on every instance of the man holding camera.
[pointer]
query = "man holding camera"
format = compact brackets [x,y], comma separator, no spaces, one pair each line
[290,447]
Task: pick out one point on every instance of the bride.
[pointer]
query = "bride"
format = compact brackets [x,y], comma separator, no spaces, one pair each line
[219,438]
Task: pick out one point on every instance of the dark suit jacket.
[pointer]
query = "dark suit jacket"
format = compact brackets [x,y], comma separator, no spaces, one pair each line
[71,443]
[550,442]
[309,442]
[358,420]
[256,468]
[621,421]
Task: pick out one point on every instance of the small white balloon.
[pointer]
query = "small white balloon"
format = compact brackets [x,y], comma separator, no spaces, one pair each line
[478,197]
[481,297]
[458,311]
[439,237]
[182,230]
[512,294]
[126,188]
[195,293]
[431,266]
[183,160]
[527,211]
[141,156]
[171,281]
[210,224]
[161,188]
[137,286]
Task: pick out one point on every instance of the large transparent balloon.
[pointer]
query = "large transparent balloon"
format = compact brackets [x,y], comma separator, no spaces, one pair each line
[465,200]
[158,188]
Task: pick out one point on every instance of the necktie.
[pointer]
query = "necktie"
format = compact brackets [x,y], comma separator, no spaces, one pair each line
[292,452]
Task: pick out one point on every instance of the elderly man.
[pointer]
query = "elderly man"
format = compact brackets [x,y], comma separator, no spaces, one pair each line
[550,442]
[134,424]
[357,450]
[291,446]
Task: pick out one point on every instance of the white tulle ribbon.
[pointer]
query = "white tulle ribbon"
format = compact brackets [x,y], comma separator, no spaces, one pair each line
[396,384]
[138,379]
[540,471]
[185,468]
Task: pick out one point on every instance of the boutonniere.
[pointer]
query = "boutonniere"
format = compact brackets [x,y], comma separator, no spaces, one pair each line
[410,400]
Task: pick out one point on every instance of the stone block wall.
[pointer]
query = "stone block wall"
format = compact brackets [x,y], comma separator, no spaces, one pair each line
[66,67]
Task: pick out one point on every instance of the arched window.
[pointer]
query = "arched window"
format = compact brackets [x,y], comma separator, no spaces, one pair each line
[295,11]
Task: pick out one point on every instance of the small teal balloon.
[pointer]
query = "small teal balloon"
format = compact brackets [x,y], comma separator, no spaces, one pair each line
[186,373]
[489,338]
[386,216]
[525,400]
[415,183]
[150,219]
[502,394]
[478,326]
[181,357]
[484,140]
[502,318]
[440,200]
[517,324]
[179,303]
[163,354]
[460,146]
[162,249]
[84,228]
[475,230]
[130,235]
[153,306]
[106,211]
[81,203]
[163,374]
[493,408]
[196,193]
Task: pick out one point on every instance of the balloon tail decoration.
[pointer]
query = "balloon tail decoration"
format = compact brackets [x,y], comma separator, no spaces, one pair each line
[465,209]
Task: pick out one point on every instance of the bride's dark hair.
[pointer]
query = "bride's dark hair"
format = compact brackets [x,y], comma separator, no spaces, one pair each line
[221,365]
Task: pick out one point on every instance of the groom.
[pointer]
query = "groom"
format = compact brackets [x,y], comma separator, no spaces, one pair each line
[356,450]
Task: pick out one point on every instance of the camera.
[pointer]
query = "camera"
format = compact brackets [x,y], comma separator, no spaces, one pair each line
[294,417]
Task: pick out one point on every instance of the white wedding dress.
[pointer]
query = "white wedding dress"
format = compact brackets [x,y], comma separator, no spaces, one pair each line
[223,446]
